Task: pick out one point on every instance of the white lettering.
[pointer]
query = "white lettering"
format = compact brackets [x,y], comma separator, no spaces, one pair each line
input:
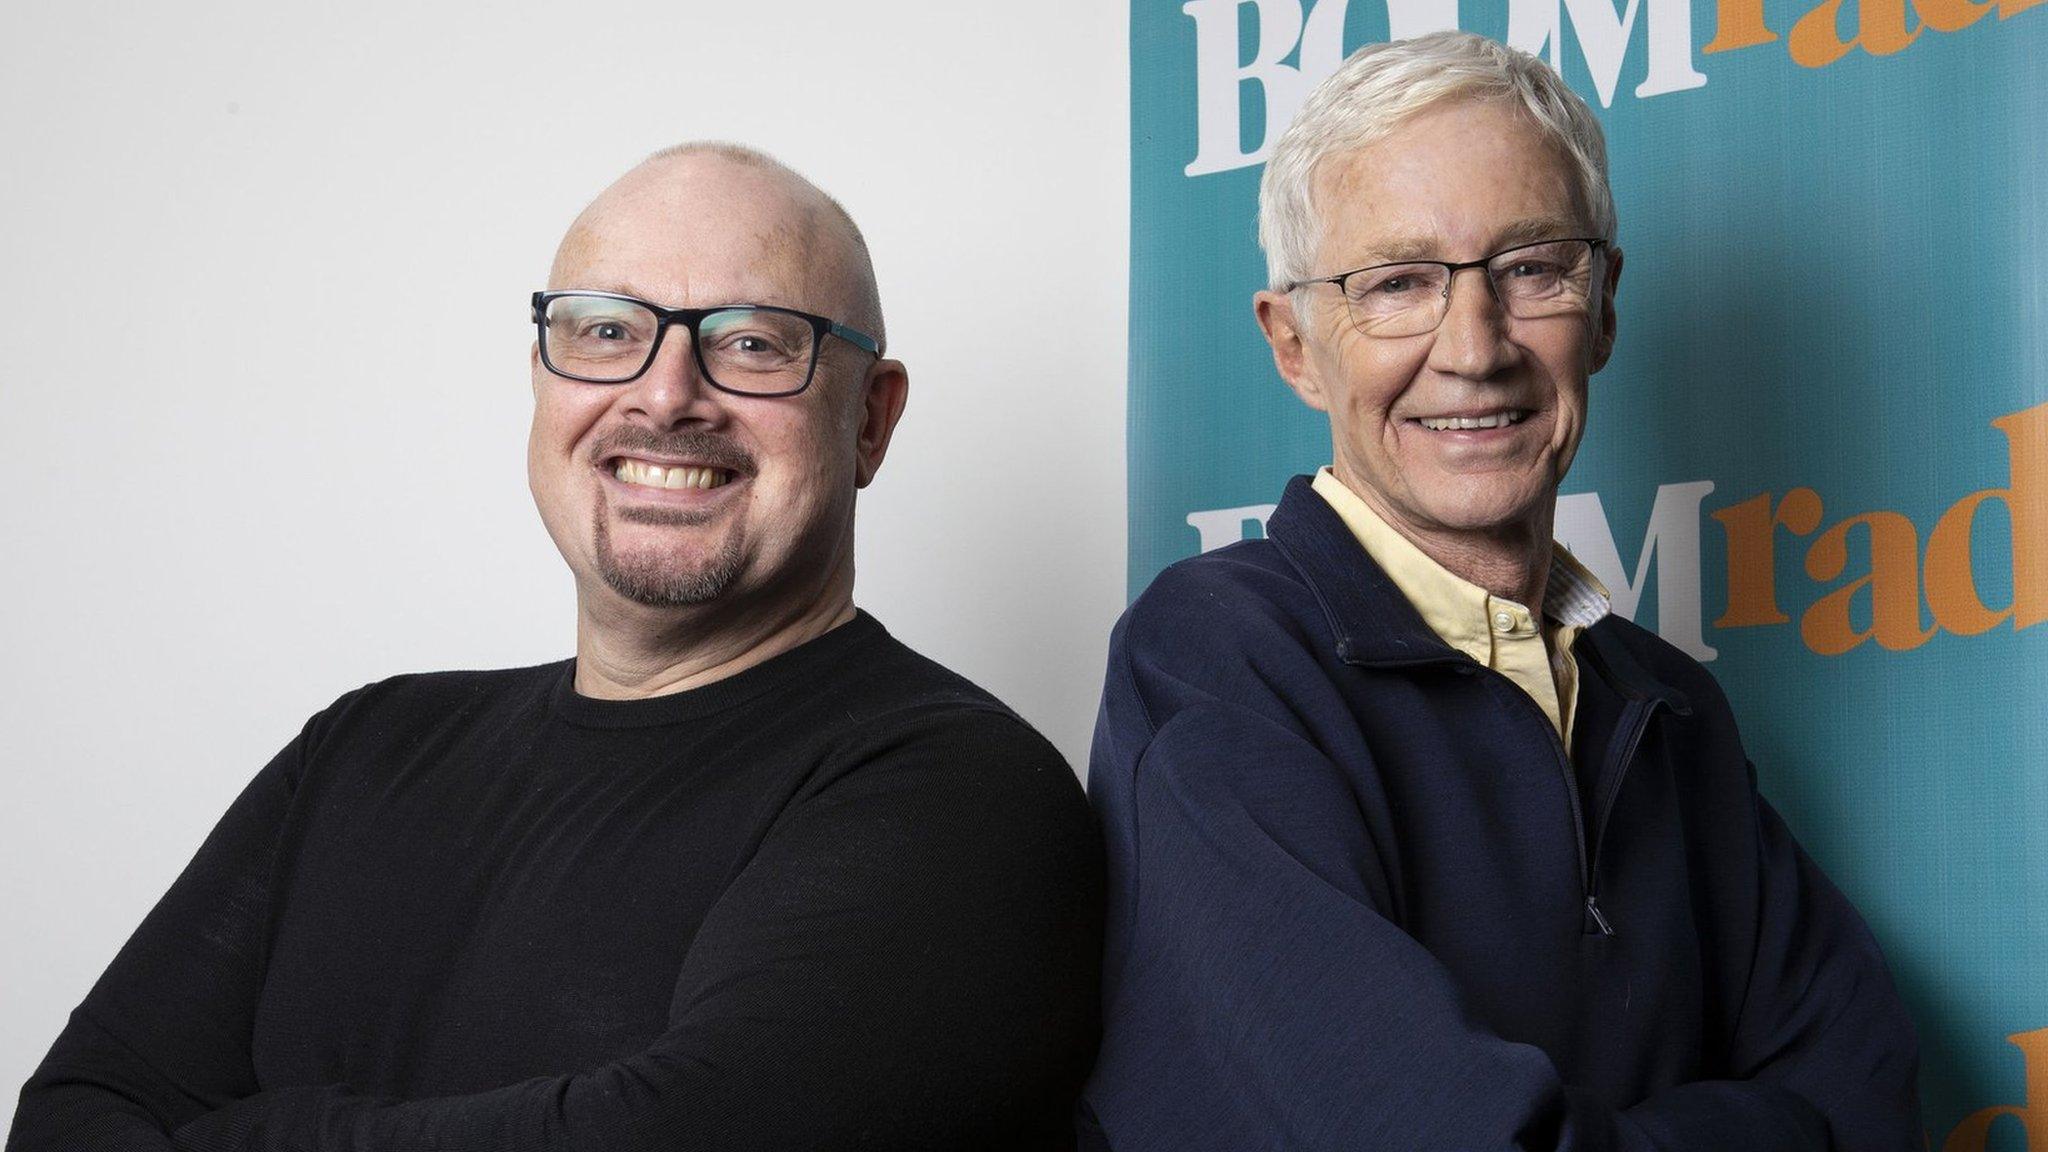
[1604,37]
[1535,26]
[1219,79]
[1226,525]
[1673,538]
[1671,542]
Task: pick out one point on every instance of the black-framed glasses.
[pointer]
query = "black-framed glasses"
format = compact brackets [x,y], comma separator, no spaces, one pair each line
[745,349]
[1531,281]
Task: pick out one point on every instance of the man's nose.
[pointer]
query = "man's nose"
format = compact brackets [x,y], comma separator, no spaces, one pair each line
[1472,341]
[672,391]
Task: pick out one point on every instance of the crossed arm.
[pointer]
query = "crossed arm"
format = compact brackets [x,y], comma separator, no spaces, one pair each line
[1265,997]
[909,961]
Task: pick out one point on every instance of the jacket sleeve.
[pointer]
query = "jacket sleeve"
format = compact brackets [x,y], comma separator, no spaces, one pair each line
[1257,993]
[910,960]
[163,1037]
[1820,1015]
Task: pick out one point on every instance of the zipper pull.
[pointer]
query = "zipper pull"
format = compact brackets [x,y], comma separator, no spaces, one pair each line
[1593,909]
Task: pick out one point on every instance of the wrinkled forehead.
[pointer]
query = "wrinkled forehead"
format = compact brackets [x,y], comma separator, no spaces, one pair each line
[1453,178]
[697,232]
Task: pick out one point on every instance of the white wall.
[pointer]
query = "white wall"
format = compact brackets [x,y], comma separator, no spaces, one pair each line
[224,504]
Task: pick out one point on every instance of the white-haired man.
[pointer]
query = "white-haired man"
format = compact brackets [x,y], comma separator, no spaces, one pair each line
[1412,843]
[747,873]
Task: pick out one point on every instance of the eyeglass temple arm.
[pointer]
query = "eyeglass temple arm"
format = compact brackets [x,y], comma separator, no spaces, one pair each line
[855,337]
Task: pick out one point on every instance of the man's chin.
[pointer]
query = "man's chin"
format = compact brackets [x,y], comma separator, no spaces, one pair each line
[667,517]
[659,584]
[1486,510]
[658,574]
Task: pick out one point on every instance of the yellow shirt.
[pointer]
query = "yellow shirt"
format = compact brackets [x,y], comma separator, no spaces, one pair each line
[1499,633]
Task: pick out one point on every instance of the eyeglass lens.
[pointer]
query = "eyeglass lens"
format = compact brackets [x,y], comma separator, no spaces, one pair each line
[743,349]
[1532,281]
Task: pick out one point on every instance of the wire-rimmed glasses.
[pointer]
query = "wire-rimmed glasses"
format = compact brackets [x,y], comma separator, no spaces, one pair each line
[1409,298]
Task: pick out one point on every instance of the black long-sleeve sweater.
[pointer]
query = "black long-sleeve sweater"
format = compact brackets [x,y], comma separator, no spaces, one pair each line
[843,899]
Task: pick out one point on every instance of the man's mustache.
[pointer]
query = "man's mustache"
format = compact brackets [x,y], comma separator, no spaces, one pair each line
[695,446]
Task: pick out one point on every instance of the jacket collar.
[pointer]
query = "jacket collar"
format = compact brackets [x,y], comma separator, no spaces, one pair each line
[1370,621]
[1373,625]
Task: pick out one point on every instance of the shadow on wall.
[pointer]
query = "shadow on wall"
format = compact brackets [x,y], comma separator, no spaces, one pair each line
[1763,371]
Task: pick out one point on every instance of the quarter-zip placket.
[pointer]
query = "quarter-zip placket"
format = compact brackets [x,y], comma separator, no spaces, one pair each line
[1628,735]
[1635,720]
[1464,664]
[1571,791]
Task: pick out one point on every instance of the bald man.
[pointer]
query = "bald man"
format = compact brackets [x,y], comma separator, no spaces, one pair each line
[744,873]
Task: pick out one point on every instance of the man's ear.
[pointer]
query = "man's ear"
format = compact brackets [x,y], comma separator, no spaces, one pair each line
[1284,332]
[883,395]
[1603,339]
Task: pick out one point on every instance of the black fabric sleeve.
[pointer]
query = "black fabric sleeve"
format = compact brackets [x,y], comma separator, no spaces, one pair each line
[163,1037]
[910,961]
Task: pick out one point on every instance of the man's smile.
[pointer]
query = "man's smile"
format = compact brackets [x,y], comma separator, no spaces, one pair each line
[1465,421]
[649,474]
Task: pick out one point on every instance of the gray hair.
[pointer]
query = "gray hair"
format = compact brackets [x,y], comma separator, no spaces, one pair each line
[1382,85]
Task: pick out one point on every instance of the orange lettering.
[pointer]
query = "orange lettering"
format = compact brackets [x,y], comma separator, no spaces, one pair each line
[1739,24]
[1952,15]
[1816,40]
[1893,580]
[1975,1131]
[1752,553]
[2012,8]
[1951,577]
[1951,585]
[2026,440]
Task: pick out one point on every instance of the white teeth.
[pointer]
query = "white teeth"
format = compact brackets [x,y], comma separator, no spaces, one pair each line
[646,475]
[1495,420]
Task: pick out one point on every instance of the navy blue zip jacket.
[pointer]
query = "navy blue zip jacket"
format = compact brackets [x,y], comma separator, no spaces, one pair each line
[1360,899]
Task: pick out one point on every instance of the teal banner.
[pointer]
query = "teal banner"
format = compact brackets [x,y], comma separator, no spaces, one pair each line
[1818,460]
